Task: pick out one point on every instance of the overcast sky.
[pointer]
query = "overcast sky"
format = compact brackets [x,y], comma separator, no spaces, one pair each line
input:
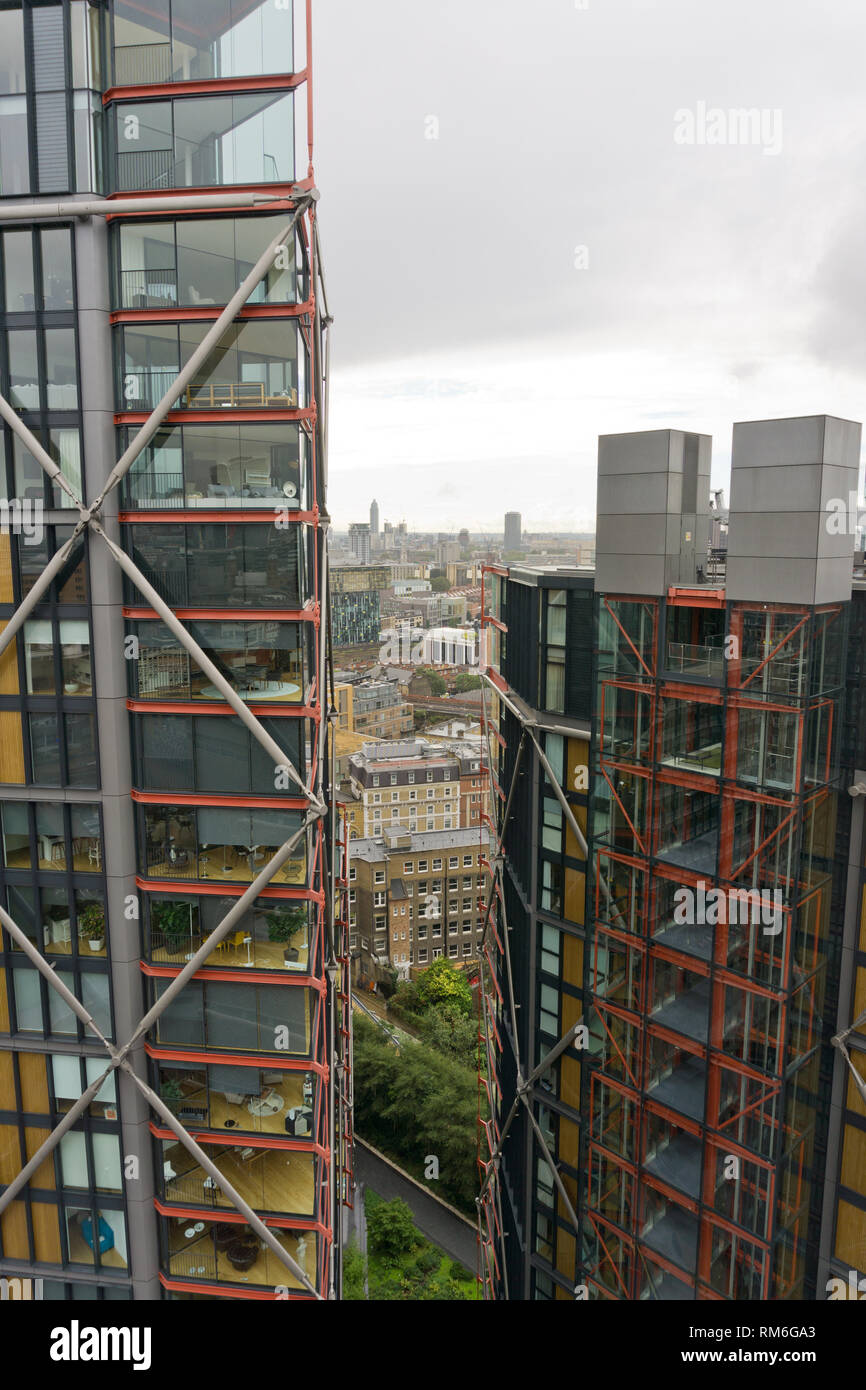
[478,352]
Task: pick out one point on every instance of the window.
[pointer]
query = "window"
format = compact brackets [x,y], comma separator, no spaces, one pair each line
[422,955]
[411,777]
[452,950]
[379,876]
[452,862]
[353,873]
[375,781]
[437,864]
[408,867]
[393,779]
[429,776]
[378,899]
[422,866]
[198,141]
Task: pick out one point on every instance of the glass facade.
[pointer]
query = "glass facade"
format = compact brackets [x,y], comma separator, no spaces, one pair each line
[125,841]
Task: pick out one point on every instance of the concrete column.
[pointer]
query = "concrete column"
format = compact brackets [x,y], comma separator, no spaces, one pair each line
[110,677]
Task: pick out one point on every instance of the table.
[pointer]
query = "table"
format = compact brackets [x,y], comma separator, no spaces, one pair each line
[262,1107]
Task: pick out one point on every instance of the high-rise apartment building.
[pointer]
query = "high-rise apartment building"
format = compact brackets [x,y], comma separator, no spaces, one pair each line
[374,523]
[513,532]
[164,773]
[688,1014]
[359,541]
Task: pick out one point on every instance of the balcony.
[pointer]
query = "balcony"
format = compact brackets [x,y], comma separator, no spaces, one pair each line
[204,141]
[245,1099]
[149,289]
[263,944]
[230,845]
[272,1180]
[704,660]
[231,1253]
[216,466]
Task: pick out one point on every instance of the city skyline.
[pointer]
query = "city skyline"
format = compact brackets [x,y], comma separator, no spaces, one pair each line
[721,283]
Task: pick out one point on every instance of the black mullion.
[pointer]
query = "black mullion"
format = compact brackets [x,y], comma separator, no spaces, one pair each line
[71,161]
[30,85]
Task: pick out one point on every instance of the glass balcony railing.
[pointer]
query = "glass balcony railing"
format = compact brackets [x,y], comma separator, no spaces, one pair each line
[269,1179]
[199,40]
[204,141]
[691,659]
[228,1253]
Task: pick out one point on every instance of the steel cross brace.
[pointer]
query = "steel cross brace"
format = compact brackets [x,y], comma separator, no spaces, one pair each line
[840,1041]
[525,1086]
[317,807]
[119,1057]
[89,514]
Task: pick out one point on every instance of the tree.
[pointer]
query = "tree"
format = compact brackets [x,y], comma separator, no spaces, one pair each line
[450,1032]
[353,1274]
[439,585]
[417,1102]
[442,984]
[436,682]
[466,681]
[390,1228]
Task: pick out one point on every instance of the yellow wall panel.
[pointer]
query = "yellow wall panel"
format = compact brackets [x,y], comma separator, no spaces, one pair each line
[13,1232]
[33,1070]
[569,1082]
[851,1236]
[854,1160]
[11,747]
[46,1233]
[572,964]
[6,592]
[10,1154]
[9,666]
[7,1082]
[44,1175]
[855,1101]
[575,897]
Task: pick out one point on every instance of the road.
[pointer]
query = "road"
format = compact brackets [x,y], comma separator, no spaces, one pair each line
[451,1234]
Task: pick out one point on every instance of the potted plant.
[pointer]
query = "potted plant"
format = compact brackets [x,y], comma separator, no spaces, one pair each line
[174,921]
[91,925]
[171,1093]
[283,924]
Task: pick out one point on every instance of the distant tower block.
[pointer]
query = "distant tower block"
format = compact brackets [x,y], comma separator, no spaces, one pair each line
[652,523]
[374,521]
[513,532]
[359,541]
[784,546]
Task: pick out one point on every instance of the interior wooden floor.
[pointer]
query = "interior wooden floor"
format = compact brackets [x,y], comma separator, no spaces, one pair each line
[224,863]
[273,1180]
[198,1258]
[263,955]
[81,863]
[290,1090]
[81,1253]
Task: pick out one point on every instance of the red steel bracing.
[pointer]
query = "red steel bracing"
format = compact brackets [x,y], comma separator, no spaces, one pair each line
[641,975]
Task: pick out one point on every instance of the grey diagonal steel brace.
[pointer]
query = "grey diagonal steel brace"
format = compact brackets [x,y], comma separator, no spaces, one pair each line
[279,757]
[148,429]
[272,748]
[530,726]
[119,1056]
[840,1042]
